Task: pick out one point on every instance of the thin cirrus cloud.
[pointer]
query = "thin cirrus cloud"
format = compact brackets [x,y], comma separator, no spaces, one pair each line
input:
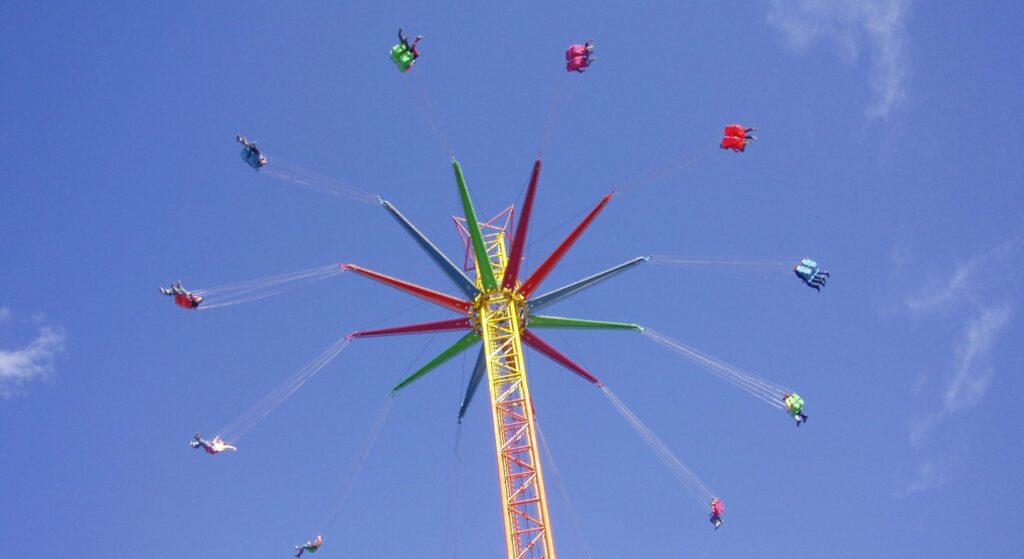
[944,294]
[972,368]
[967,281]
[930,475]
[877,26]
[973,373]
[35,361]
[965,294]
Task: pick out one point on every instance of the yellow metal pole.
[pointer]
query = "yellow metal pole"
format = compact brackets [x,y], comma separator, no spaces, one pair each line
[524,500]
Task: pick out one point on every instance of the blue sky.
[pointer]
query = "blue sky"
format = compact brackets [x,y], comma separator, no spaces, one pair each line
[886,131]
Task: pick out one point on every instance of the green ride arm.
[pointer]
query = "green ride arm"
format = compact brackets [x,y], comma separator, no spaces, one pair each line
[538,321]
[483,263]
[459,346]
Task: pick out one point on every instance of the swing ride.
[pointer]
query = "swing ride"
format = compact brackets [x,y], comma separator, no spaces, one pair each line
[500,310]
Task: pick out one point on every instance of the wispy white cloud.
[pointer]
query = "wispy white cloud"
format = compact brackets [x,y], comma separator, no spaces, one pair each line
[944,293]
[965,294]
[972,368]
[964,282]
[930,475]
[853,25]
[5,314]
[33,362]
[973,372]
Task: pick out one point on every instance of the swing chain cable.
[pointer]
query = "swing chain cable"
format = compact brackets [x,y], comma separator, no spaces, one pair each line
[770,389]
[356,466]
[248,419]
[686,477]
[563,492]
[245,422]
[354,469]
[426,108]
[665,169]
[632,185]
[561,99]
[451,542]
[754,385]
[261,288]
[451,545]
[288,171]
[730,263]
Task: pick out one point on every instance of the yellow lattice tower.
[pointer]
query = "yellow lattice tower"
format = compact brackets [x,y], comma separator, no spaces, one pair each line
[501,314]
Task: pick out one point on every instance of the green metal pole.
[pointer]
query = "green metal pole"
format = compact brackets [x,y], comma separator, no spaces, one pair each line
[538,321]
[482,261]
[460,346]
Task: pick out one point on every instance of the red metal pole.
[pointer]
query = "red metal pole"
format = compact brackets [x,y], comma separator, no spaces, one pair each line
[542,272]
[519,240]
[435,297]
[420,328]
[534,341]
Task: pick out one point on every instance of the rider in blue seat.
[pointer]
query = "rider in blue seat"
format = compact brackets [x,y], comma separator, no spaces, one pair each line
[808,272]
[250,153]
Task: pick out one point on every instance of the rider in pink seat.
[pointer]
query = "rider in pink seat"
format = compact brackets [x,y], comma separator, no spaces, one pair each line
[579,57]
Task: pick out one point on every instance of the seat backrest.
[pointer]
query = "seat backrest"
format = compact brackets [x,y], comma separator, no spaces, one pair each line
[401,56]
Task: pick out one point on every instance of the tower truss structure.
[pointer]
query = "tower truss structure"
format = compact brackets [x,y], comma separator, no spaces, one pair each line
[499,310]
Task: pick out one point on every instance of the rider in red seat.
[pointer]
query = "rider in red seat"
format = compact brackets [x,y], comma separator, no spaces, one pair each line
[182,297]
[736,137]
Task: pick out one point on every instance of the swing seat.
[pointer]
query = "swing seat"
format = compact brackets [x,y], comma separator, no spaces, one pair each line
[402,58]
[253,157]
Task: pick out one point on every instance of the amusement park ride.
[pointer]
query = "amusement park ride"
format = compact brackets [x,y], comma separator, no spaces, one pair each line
[500,310]
[499,307]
